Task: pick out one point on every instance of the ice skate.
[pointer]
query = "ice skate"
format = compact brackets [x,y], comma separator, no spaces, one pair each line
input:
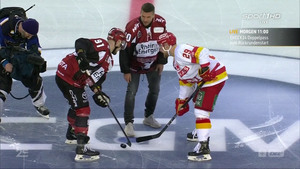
[201,152]
[150,121]
[83,153]
[192,136]
[129,130]
[71,137]
[43,111]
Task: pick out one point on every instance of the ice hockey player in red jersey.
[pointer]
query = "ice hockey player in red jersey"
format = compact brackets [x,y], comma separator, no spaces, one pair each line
[142,57]
[87,66]
[193,65]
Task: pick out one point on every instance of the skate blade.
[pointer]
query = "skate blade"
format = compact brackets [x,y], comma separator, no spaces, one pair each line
[45,116]
[192,140]
[204,157]
[84,158]
[71,141]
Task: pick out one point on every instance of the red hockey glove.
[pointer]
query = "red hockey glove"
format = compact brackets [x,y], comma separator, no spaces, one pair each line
[181,110]
[206,75]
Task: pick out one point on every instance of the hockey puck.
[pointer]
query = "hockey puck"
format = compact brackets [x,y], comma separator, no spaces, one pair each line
[123,145]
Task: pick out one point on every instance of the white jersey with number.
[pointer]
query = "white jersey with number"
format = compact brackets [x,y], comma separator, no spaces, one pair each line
[188,60]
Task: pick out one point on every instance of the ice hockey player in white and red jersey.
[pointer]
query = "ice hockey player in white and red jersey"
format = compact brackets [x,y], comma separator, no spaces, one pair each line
[193,65]
[87,66]
[142,57]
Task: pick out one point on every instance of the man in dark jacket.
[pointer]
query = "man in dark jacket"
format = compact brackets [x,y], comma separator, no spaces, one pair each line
[142,56]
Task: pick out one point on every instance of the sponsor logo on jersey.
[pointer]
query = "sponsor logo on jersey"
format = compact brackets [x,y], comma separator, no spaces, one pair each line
[136,26]
[147,49]
[96,75]
[159,20]
[63,65]
[158,30]
[183,71]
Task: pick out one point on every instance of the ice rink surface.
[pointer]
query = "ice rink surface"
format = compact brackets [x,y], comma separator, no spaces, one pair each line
[256,122]
[255,125]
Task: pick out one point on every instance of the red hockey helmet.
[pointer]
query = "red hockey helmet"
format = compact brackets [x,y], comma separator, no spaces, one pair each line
[167,37]
[117,34]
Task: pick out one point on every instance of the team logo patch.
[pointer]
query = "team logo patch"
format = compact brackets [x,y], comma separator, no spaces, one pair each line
[139,34]
[199,99]
[158,30]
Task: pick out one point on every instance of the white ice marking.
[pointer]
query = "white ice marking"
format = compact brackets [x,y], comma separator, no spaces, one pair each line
[27,120]
[7,139]
[158,144]
[270,122]
[257,135]
[281,140]
[102,155]
[20,146]
[281,143]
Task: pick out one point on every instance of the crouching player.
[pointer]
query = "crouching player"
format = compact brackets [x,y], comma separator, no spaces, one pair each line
[87,66]
[195,65]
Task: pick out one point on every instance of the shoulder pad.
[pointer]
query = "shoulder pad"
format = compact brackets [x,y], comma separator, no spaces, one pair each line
[132,26]
[159,19]
[100,44]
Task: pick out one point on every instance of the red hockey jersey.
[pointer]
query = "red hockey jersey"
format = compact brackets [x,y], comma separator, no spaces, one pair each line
[142,41]
[101,61]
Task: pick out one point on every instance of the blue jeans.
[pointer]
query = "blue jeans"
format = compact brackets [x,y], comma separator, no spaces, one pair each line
[153,79]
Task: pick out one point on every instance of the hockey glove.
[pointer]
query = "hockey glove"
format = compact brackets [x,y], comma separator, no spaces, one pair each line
[82,60]
[178,106]
[101,99]
[206,75]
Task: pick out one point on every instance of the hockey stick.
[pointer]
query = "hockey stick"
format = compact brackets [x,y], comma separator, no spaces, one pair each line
[128,141]
[150,137]
[30,8]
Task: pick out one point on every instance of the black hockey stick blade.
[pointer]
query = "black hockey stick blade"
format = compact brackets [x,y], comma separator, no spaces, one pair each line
[146,138]
[154,136]
[150,137]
